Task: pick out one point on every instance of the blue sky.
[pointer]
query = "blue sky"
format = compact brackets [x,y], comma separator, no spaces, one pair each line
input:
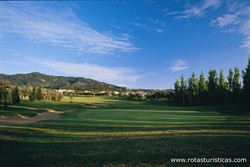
[138,44]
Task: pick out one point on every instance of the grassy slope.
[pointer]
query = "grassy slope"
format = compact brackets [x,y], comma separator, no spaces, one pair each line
[102,131]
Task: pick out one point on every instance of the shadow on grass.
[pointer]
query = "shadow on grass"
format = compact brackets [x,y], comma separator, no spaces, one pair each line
[124,151]
[63,142]
[22,109]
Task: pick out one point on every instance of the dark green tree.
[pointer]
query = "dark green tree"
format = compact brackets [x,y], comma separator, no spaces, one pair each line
[177,91]
[183,91]
[33,95]
[202,89]
[246,82]
[230,80]
[222,92]
[192,89]
[5,92]
[16,96]
[236,85]
[212,86]
[39,93]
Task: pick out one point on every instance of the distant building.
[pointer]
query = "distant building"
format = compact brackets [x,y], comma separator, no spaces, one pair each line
[142,93]
[124,93]
[65,91]
[115,93]
[87,91]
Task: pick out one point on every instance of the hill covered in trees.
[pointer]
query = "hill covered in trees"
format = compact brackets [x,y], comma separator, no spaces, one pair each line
[55,82]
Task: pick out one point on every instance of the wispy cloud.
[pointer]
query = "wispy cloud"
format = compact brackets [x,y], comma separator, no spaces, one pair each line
[225,20]
[236,19]
[60,28]
[13,62]
[196,10]
[179,65]
[147,27]
[115,75]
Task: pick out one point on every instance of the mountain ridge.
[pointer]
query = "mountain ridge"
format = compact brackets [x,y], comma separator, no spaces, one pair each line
[58,82]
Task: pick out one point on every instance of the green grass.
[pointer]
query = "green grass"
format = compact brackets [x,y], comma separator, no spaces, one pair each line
[113,132]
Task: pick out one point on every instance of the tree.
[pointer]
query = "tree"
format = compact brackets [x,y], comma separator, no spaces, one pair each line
[33,95]
[212,85]
[222,88]
[5,92]
[177,91]
[236,85]
[183,90]
[39,93]
[24,91]
[16,96]
[246,82]
[230,80]
[192,89]
[202,89]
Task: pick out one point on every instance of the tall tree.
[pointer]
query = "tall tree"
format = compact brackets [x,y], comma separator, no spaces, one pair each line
[183,90]
[177,91]
[246,82]
[222,93]
[222,82]
[202,82]
[230,79]
[5,92]
[16,96]
[212,85]
[192,89]
[39,93]
[202,89]
[236,85]
[33,95]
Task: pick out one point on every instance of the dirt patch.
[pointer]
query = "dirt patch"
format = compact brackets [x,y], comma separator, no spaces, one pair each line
[20,119]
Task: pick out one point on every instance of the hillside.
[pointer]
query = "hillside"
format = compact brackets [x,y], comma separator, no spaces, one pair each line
[49,81]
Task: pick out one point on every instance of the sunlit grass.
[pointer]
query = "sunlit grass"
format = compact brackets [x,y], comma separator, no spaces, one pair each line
[107,131]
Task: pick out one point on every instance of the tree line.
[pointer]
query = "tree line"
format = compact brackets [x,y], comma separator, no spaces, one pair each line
[10,94]
[161,95]
[215,90]
[39,93]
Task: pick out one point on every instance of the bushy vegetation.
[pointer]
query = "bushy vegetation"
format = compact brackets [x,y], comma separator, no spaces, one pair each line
[39,93]
[215,90]
[9,94]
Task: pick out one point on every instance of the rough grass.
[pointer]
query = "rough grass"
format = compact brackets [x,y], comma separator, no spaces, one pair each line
[114,132]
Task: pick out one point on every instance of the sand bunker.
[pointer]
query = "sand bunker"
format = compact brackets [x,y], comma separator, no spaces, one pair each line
[20,119]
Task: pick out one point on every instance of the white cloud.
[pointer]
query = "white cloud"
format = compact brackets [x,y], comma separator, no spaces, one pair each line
[245,31]
[179,65]
[197,10]
[236,19]
[115,75]
[225,20]
[60,28]
[147,27]
[13,62]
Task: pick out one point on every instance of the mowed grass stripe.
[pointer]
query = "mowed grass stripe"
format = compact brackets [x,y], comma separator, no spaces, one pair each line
[118,132]
[155,132]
